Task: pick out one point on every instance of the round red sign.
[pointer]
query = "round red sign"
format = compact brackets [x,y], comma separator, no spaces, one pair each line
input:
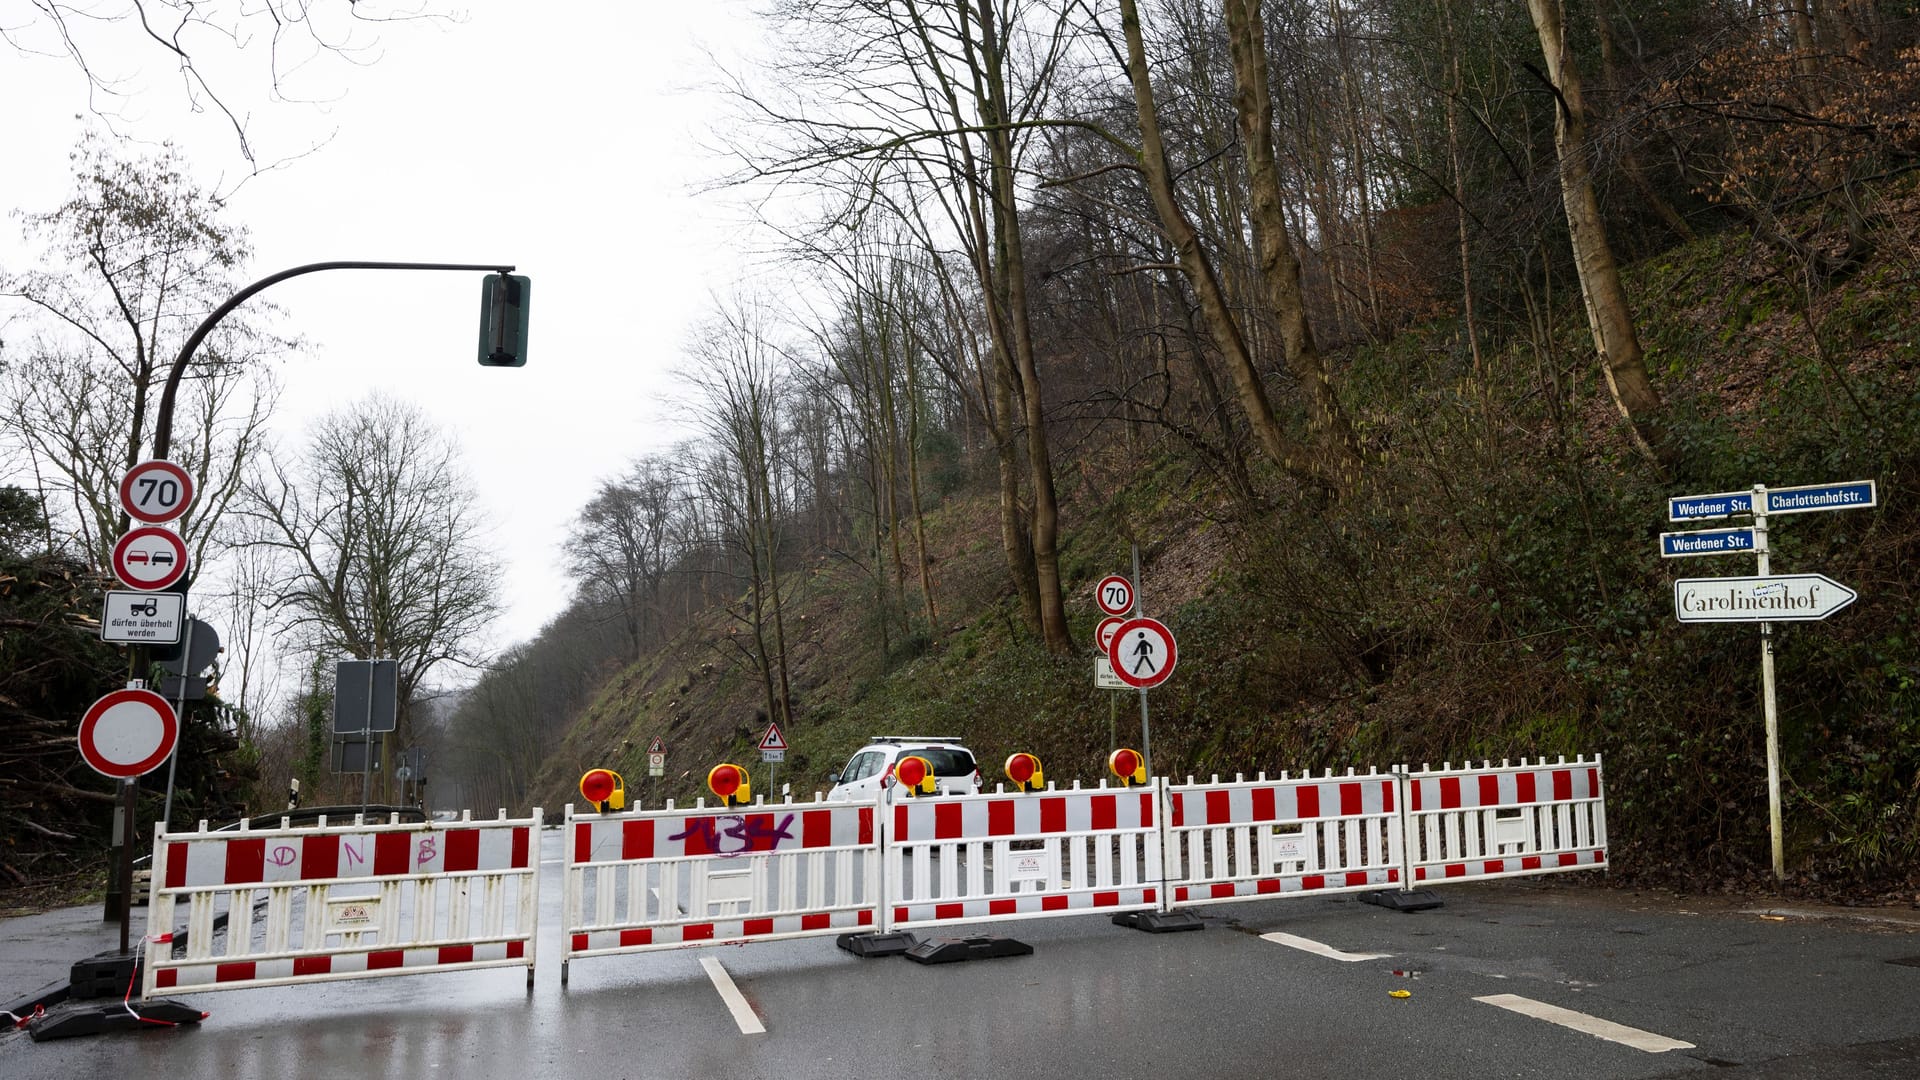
[128,733]
[156,491]
[1114,594]
[1143,653]
[150,558]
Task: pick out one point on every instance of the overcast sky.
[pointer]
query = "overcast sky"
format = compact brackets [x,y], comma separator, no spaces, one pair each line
[563,139]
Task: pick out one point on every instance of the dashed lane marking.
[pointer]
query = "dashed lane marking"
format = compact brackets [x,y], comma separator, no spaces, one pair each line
[1591,1025]
[1317,949]
[743,1013]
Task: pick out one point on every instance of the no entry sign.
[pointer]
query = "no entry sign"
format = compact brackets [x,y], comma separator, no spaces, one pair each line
[128,733]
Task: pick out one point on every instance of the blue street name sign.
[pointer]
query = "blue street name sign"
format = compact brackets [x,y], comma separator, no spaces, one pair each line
[1706,507]
[1857,495]
[1707,542]
[1805,499]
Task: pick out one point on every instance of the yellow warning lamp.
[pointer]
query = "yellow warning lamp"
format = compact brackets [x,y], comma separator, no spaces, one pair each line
[1129,766]
[729,784]
[915,775]
[1024,770]
[604,789]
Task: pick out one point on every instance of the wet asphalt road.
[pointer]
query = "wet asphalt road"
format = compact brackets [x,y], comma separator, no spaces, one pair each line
[1756,995]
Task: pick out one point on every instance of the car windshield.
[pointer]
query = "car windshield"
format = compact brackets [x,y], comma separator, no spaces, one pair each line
[945,762]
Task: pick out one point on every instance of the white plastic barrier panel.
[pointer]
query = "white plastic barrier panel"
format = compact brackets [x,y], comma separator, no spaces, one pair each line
[666,879]
[982,858]
[1470,824]
[276,907]
[1273,837]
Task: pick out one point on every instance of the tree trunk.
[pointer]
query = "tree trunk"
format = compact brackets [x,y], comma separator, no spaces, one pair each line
[1301,461]
[1012,270]
[1608,314]
[1279,270]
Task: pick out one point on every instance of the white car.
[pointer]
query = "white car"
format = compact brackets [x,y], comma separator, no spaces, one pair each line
[869,772]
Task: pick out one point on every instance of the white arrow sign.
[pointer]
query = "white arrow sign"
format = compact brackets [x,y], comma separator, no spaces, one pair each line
[1778,598]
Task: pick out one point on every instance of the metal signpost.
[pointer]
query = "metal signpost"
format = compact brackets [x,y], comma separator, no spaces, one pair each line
[1151,644]
[1764,598]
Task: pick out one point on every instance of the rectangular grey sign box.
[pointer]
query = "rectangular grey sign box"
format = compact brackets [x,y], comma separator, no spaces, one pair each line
[365,696]
[349,756]
[143,618]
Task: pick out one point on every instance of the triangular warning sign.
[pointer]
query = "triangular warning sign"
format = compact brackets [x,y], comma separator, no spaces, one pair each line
[773,740]
[655,746]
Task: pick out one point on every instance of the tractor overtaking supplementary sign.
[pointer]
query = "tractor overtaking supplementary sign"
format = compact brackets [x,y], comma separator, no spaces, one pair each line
[143,618]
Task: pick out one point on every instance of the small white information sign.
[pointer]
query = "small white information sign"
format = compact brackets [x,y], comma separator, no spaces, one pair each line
[143,618]
[1103,676]
[352,914]
[1030,866]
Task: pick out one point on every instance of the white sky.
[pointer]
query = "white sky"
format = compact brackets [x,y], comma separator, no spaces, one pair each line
[564,139]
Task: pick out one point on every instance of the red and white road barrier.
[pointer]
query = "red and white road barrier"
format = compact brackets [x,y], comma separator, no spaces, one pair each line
[352,900]
[1495,821]
[1244,839]
[984,858]
[672,878]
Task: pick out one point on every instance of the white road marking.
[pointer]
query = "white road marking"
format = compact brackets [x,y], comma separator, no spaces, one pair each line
[1591,1025]
[1317,949]
[743,1013]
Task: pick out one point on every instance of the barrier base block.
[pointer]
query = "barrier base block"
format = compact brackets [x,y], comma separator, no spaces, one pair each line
[104,975]
[1159,922]
[868,945]
[952,950]
[73,1020]
[1396,900]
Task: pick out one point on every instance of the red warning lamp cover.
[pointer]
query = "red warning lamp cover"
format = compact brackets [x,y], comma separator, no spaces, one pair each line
[1126,763]
[724,780]
[597,786]
[912,771]
[1021,767]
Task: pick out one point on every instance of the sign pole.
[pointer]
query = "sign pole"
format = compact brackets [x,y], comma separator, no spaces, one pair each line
[180,707]
[126,860]
[1774,826]
[1139,608]
[366,735]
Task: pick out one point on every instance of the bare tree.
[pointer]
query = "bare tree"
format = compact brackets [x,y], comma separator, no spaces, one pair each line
[380,543]
[131,262]
[197,40]
[740,372]
[617,549]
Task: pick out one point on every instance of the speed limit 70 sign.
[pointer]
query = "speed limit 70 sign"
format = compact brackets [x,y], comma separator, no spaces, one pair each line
[1114,594]
[156,491]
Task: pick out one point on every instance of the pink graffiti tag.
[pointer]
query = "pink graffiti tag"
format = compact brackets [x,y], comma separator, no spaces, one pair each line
[427,852]
[283,855]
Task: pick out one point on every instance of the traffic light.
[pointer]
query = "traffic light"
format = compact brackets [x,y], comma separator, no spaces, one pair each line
[504,302]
